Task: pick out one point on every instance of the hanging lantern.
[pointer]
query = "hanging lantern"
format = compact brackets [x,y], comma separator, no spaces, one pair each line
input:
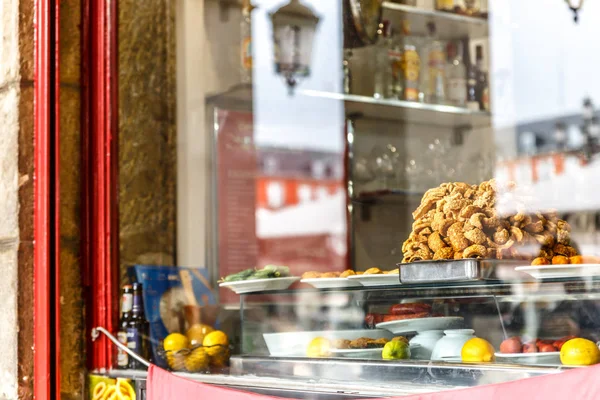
[575,6]
[294,27]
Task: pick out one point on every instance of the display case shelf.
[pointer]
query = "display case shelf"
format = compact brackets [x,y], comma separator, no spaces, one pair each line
[449,25]
[357,107]
[547,290]
[388,196]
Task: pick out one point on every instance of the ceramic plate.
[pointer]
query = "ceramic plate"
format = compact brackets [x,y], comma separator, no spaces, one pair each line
[421,324]
[372,354]
[260,285]
[551,358]
[330,283]
[294,344]
[561,271]
[377,280]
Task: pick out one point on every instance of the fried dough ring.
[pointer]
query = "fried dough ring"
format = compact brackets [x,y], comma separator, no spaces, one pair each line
[475,251]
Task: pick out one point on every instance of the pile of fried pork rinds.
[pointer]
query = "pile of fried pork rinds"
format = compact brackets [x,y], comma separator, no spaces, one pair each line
[458,220]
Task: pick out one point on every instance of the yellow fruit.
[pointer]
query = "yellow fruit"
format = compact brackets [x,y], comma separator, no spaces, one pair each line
[579,352]
[477,350]
[221,359]
[197,332]
[197,360]
[215,342]
[175,342]
[176,359]
[318,347]
[396,350]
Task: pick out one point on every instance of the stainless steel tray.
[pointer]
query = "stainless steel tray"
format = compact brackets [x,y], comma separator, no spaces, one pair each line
[461,271]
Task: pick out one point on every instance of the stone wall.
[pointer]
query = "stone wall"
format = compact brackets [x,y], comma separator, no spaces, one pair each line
[16,198]
[72,324]
[147,132]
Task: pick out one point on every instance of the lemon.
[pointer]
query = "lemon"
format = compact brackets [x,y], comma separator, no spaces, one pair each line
[318,347]
[579,352]
[215,342]
[197,360]
[176,342]
[477,350]
[197,332]
[396,350]
[221,358]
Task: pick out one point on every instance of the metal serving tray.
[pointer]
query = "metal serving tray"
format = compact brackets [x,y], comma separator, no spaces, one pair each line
[461,271]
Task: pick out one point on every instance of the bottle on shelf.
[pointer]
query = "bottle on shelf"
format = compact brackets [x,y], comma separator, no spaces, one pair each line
[383,65]
[472,94]
[396,47]
[137,329]
[347,72]
[456,75]
[444,5]
[472,7]
[410,65]
[483,89]
[246,42]
[126,307]
[435,76]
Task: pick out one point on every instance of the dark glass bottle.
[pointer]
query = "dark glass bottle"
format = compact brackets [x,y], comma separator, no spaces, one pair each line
[137,329]
[483,90]
[126,308]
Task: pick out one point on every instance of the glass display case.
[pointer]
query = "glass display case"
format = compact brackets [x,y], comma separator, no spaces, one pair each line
[380,205]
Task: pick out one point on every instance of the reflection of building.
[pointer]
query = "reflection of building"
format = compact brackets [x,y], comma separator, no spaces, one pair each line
[300,209]
[288,177]
[580,131]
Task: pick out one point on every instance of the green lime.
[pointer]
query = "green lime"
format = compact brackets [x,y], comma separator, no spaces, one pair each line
[396,350]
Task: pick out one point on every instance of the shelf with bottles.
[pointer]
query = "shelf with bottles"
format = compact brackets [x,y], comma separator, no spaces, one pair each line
[450,25]
[357,106]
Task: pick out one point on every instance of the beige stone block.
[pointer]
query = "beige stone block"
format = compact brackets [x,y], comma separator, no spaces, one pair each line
[26,162]
[9,333]
[9,174]
[9,43]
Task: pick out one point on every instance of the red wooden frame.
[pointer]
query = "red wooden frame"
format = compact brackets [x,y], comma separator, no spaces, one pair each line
[99,152]
[46,304]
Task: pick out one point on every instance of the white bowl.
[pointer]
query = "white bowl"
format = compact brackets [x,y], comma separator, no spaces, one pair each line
[294,344]
[450,346]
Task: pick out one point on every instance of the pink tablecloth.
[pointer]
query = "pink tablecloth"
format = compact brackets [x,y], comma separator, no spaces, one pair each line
[578,384]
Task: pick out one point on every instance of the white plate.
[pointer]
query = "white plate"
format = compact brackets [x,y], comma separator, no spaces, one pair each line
[551,358]
[561,271]
[294,344]
[330,283]
[260,285]
[421,324]
[372,354]
[377,280]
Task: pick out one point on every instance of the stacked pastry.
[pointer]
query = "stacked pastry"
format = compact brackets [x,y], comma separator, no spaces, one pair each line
[458,220]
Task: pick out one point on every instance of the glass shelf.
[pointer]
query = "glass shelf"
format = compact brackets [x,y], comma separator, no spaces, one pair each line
[546,290]
[449,25]
[356,107]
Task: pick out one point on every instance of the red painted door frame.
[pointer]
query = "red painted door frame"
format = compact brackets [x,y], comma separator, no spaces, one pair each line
[100,171]
[46,201]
